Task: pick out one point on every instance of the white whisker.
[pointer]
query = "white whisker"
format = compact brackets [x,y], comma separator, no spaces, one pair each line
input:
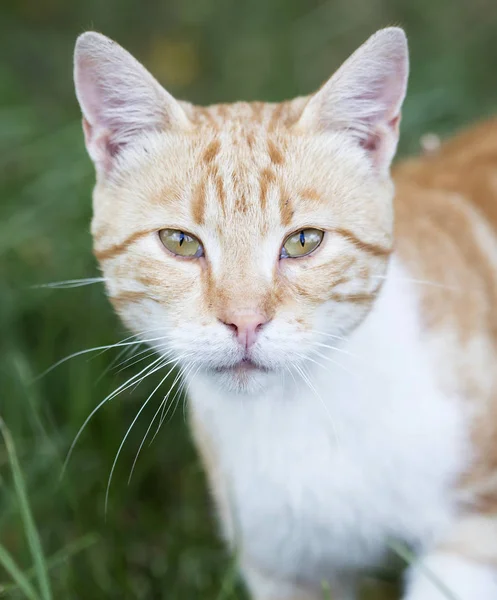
[339,365]
[142,408]
[335,349]
[121,388]
[165,411]
[70,283]
[310,385]
[420,282]
[291,374]
[174,401]
[147,352]
[95,349]
[331,335]
[162,403]
[125,351]
[184,390]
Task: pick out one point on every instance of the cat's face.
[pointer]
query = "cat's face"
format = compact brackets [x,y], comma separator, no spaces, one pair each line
[244,235]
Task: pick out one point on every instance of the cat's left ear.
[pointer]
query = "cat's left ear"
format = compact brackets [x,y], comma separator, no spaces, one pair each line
[364,97]
[119,99]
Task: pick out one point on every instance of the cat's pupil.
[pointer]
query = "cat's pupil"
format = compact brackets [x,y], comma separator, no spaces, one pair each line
[181,238]
[302,239]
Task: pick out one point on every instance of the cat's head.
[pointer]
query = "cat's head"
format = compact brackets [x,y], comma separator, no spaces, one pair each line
[245,234]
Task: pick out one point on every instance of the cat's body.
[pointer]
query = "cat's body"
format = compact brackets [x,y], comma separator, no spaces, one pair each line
[327,487]
[320,488]
[343,402]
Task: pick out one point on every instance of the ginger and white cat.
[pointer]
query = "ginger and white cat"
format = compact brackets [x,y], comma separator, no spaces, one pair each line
[340,344]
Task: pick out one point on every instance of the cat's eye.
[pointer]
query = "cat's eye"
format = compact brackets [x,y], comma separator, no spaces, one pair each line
[302,243]
[181,243]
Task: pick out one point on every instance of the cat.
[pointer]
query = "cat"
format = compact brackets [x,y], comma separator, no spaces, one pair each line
[335,318]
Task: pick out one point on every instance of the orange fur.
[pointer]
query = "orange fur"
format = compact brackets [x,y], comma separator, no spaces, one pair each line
[242,177]
[438,201]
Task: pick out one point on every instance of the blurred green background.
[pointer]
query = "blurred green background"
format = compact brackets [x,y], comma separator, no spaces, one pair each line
[158,539]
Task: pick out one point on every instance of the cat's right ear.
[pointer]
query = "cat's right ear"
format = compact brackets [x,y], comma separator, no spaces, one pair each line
[119,99]
[364,97]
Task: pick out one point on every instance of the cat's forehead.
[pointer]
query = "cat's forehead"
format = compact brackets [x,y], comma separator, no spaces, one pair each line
[242,168]
[249,173]
[242,117]
[249,163]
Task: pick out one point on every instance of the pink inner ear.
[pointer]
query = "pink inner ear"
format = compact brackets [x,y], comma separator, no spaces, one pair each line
[117,102]
[119,98]
[88,131]
[394,124]
[371,143]
[99,145]
[373,140]
[363,98]
[100,132]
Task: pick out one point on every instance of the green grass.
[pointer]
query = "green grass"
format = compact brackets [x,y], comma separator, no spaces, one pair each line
[158,539]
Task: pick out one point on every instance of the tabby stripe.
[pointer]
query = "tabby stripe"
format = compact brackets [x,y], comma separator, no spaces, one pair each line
[278,111]
[356,298]
[267,178]
[127,297]
[275,154]
[286,209]
[257,110]
[211,151]
[373,249]
[198,203]
[117,249]
[221,193]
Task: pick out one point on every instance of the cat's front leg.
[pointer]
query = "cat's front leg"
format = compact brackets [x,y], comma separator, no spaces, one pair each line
[267,587]
[462,568]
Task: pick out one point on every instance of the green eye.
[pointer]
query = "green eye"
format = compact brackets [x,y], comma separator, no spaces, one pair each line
[301,243]
[181,243]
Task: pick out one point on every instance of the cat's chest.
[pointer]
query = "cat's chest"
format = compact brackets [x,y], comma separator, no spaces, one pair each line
[329,479]
[323,478]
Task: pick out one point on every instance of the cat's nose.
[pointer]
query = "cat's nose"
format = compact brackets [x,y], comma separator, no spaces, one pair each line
[246,326]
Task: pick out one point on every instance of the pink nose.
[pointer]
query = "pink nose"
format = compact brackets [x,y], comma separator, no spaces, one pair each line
[246,325]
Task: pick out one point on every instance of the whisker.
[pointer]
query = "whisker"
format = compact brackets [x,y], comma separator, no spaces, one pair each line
[179,391]
[165,411]
[142,408]
[130,360]
[191,379]
[184,389]
[328,358]
[331,335]
[95,349]
[70,283]
[139,341]
[166,356]
[121,388]
[134,360]
[291,373]
[311,386]
[162,403]
[308,358]
[341,350]
[174,401]
[419,281]
[128,350]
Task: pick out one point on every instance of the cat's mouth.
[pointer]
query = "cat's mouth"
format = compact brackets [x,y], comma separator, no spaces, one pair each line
[244,366]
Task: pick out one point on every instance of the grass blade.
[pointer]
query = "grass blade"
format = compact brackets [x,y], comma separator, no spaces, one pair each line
[26,516]
[53,561]
[229,581]
[21,581]
[325,586]
[410,559]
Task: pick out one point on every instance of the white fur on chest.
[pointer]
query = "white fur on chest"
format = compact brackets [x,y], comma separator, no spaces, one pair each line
[322,481]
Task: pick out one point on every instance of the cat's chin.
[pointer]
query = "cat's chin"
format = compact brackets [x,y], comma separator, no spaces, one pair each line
[245,377]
